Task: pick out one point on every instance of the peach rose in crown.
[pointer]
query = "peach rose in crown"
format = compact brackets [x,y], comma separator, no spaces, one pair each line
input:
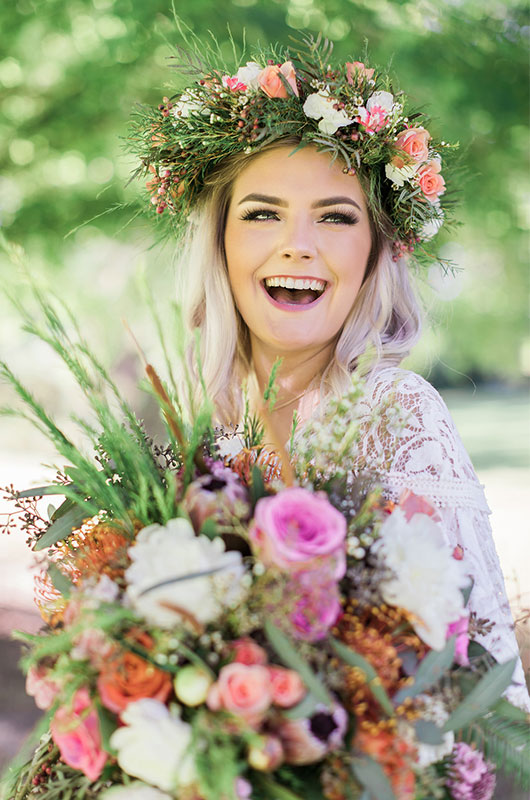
[415,142]
[431,182]
[271,83]
[356,69]
[245,691]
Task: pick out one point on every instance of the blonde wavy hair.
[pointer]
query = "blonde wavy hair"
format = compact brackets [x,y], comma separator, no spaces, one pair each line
[385,319]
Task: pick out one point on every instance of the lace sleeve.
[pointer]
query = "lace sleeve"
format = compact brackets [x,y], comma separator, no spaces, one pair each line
[428,457]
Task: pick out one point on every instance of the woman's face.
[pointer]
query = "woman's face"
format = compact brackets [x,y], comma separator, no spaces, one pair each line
[297,242]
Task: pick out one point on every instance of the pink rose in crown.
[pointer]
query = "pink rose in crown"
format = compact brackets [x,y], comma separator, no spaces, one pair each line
[75,731]
[356,72]
[270,81]
[431,182]
[299,530]
[246,651]
[244,691]
[415,142]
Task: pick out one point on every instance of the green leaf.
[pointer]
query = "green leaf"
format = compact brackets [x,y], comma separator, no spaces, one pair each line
[373,680]
[370,775]
[208,528]
[506,710]
[428,732]
[488,690]
[62,527]
[431,669]
[274,791]
[467,591]
[291,658]
[257,489]
[42,491]
[63,508]
[60,581]
[107,725]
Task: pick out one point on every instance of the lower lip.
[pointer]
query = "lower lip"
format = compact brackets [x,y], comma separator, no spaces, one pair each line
[293,306]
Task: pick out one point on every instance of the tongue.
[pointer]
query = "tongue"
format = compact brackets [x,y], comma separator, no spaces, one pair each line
[294,296]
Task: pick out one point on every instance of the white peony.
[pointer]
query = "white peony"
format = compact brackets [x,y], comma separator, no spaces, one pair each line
[249,74]
[426,579]
[383,100]
[161,553]
[134,791]
[320,105]
[398,175]
[154,745]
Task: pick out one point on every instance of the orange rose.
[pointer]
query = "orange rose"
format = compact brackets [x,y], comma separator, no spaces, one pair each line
[130,677]
[395,757]
[287,687]
[414,141]
[431,182]
[243,690]
[357,70]
[271,83]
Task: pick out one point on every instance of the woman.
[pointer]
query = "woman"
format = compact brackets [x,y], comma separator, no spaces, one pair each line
[308,188]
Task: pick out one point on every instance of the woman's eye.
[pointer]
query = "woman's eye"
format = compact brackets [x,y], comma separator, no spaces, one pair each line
[260,214]
[340,218]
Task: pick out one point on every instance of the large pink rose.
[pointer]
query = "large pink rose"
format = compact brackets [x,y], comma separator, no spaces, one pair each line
[245,691]
[76,733]
[431,182]
[297,529]
[271,83]
[415,142]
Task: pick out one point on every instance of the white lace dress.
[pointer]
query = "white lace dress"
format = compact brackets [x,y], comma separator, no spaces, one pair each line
[430,459]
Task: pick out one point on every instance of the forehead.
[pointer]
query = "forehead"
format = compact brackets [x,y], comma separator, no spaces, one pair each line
[304,175]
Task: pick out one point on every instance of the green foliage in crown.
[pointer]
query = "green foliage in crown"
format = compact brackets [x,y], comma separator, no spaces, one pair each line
[348,110]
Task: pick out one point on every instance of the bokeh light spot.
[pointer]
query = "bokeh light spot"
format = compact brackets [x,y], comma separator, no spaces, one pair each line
[21,151]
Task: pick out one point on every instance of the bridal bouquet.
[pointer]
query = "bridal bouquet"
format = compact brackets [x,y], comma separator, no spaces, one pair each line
[259,625]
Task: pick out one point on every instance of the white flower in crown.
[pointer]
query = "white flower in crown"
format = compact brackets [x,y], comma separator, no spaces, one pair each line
[320,105]
[154,745]
[399,174]
[425,578]
[249,74]
[432,227]
[164,553]
[186,104]
[383,100]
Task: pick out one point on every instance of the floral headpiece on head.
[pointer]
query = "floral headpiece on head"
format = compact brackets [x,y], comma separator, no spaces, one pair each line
[348,110]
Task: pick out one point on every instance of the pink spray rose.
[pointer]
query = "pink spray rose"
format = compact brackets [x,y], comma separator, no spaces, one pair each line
[415,142]
[460,628]
[287,687]
[248,652]
[297,529]
[316,604]
[244,691]
[356,72]
[431,182]
[271,83]
[43,689]
[75,731]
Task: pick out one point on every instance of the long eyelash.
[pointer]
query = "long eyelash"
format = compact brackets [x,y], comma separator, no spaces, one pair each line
[255,213]
[342,216]
[345,218]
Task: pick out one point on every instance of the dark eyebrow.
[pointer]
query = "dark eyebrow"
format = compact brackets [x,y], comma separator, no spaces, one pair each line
[277,201]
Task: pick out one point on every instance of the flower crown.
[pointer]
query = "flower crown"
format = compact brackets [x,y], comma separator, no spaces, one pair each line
[348,110]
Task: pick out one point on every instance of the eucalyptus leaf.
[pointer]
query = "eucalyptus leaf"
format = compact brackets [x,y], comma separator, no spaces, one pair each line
[292,658]
[467,591]
[42,491]
[304,709]
[62,527]
[60,581]
[431,669]
[428,732]
[370,775]
[107,726]
[373,680]
[273,790]
[505,709]
[208,528]
[63,508]
[487,691]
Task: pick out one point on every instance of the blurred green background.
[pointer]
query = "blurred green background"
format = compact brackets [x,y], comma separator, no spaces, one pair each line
[71,71]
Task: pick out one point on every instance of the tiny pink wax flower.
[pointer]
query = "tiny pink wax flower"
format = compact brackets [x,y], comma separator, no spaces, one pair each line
[416,504]
[75,731]
[415,142]
[245,691]
[297,529]
[271,83]
[233,83]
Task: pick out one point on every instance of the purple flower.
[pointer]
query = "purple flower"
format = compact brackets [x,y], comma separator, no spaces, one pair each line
[310,739]
[470,776]
[297,529]
[215,496]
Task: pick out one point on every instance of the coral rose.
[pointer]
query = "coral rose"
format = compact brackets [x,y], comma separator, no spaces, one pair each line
[244,691]
[431,182]
[415,142]
[287,687]
[75,731]
[297,529]
[129,677]
[271,83]
[248,652]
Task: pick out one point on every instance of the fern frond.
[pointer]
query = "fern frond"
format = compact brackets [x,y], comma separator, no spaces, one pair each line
[505,742]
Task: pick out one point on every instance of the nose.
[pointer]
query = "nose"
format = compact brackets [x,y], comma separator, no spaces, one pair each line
[298,242]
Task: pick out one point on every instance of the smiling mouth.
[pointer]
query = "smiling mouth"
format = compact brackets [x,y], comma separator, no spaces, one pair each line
[294,291]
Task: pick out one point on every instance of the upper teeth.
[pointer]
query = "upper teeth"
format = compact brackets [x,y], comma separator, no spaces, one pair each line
[296,283]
